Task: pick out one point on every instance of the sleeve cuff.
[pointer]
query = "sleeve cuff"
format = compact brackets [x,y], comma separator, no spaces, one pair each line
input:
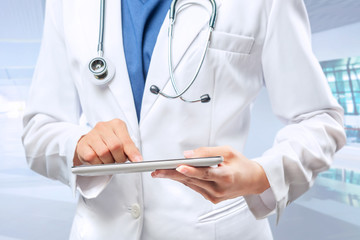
[91,187]
[261,205]
[273,199]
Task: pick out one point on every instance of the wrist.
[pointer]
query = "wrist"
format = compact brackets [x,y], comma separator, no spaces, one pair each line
[261,181]
[76,159]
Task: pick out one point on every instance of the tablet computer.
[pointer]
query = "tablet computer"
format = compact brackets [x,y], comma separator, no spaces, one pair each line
[145,166]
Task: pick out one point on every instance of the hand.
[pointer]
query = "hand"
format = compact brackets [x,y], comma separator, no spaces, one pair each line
[107,142]
[236,176]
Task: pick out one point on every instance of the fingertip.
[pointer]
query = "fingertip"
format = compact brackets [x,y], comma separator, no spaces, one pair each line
[157,174]
[135,158]
[183,169]
[189,153]
[138,159]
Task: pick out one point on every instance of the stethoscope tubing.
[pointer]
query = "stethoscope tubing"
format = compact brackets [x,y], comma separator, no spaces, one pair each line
[100,48]
[171,72]
[99,67]
[178,94]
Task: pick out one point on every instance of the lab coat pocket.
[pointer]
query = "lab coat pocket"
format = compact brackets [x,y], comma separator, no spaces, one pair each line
[231,42]
[222,212]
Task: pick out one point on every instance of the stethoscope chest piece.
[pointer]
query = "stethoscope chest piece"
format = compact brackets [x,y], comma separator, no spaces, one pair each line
[102,71]
[98,67]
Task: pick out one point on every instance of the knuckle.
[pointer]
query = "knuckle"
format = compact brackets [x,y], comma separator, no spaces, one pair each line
[130,148]
[104,153]
[228,179]
[120,158]
[99,125]
[118,122]
[229,152]
[128,142]
[89,156]
[201,149]
[204,150]
[83,139]
[206,174]
[114,146]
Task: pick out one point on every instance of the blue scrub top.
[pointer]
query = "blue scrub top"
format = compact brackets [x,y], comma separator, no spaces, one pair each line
[141,23]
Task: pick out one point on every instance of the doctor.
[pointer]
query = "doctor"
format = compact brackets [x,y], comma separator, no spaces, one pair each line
[253,44]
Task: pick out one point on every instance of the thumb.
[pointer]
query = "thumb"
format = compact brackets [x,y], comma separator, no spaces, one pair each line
[204,152]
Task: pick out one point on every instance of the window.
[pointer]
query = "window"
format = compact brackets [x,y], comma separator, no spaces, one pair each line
[343,76]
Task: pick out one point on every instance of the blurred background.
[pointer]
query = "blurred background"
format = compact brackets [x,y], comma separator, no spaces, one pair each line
[33,207]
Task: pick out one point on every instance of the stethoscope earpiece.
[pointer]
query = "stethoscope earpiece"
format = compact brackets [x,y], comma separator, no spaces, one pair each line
[205,98]
[154,89]
[179,94]
[102,71]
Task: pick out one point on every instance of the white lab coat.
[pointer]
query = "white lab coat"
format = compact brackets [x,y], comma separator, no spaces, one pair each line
[255,43]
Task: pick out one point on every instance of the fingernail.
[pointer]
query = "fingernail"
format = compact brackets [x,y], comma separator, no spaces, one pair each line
[157,175]
[138,159]
[189,153]
[182,169]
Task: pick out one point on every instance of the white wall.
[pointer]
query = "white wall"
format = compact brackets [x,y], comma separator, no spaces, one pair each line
[337,43]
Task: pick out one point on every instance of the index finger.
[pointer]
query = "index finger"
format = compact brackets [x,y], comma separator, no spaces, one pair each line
[129,147]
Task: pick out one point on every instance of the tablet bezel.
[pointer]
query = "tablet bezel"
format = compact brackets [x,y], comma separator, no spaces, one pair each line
[144,166]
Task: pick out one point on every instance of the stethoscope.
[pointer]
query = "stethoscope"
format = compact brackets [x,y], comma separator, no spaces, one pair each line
[103,71]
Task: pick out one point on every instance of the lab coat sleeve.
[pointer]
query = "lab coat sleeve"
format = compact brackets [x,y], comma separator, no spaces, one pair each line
[300,96]
[51,120]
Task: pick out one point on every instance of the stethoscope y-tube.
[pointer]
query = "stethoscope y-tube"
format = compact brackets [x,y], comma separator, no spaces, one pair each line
[102,71]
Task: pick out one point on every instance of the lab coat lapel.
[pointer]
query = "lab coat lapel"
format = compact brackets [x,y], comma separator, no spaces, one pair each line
[186,29]
[113,47]
[120,86]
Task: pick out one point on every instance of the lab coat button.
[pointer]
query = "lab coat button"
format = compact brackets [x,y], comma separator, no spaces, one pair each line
[135,210]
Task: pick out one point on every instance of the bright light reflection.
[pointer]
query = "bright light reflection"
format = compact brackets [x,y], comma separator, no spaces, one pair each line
[350,106]
[331,78]
[11,109]
[353,76]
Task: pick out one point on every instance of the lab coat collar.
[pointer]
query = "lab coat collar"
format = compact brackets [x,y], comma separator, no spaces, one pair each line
[186,29]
